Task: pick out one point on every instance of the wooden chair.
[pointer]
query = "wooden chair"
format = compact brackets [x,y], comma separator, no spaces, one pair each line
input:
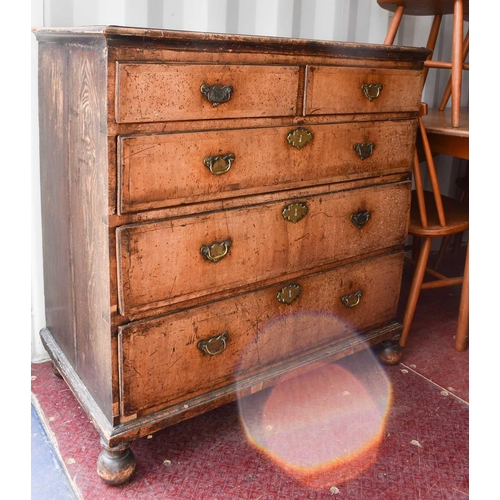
[434,215]
[451,141]
[460,47]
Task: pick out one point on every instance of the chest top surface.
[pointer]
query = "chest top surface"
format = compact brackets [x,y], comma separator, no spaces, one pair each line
[189,40]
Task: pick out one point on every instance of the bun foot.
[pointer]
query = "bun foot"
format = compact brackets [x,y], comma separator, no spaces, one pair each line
[116,465]
[389,352]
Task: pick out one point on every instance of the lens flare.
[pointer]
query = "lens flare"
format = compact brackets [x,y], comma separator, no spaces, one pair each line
[323,425]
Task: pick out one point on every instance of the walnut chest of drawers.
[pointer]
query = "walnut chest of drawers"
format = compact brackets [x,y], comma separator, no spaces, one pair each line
[210,202]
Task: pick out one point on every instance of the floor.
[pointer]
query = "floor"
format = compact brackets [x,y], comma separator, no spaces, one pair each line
[48,477]
[417,449]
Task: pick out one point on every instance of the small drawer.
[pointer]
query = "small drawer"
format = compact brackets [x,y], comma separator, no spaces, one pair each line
[152,92]
[170,359]
[166,170]
[171,261]
[334,90]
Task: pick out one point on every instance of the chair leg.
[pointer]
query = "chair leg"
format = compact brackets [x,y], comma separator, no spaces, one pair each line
[456,61]
[416,285]
[447,92]
[415,248]
[393,28]
[463,314]
[457,243]
[442,251]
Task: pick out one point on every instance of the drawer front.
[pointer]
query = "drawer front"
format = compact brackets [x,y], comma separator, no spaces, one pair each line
[150,92]
[171,169]
[161,363]
[340,90]
[181,259]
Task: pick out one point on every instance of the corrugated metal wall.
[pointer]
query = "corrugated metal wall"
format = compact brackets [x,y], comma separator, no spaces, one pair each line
[339,20]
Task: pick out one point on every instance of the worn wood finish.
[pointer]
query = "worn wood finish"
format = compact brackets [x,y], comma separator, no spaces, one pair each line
[332,90]
[75,239]
[200,42]
[168,170]
[161,263]
[128,204]
[164,92]
[88,210]
[54,179]
[443,137]
[261,332]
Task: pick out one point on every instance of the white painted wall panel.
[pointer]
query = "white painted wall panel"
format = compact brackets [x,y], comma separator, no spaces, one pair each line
[285,17]
[54,12]
[195,15]
[173,15]
[246,18]
[324,16]
[135,13]
[217,15]
[37,296]
[109,12]
[87,13]
[266,17]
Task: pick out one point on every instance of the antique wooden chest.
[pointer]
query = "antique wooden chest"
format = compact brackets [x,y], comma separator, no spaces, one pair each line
[198,187]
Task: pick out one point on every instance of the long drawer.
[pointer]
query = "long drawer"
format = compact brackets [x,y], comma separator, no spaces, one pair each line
[335,90]
[179,356]
[166,262]
[179,168]
[149,92]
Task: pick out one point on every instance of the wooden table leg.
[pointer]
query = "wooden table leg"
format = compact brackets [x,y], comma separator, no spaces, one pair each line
[463,314]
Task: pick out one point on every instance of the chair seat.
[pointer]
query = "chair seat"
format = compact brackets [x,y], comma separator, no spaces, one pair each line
[457,217]
[423,7]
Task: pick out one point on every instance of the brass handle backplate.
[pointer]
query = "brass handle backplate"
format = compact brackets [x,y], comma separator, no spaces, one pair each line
[216,251]
[288,294]
[360,219]
[352,300]
[364,149]
[216,94]
[219,165]
[214,345]
[371,90]
[294,212]
[299,138]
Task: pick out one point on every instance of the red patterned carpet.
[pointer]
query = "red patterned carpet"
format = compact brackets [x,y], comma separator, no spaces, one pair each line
[422,452]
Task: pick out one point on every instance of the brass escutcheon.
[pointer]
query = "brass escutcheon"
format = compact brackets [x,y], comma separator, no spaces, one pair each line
[360,219]
[294,212]
[299,138]
[219,165]
[214,345]
[371,90]
[216,251]
[288,294]
[364,149]
[216,94]
[352,300]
